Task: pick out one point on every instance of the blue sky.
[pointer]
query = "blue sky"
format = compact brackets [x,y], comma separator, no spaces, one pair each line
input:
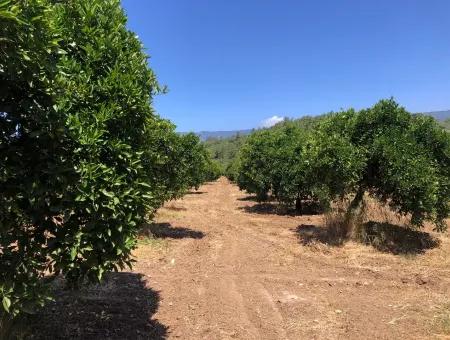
[231,64]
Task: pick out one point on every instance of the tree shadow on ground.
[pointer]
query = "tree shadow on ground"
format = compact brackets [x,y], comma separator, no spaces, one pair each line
[174,208]
[120,308]
[250,198]
[385,237]
[192,192]
[396,239]
[266,208]
[166,230]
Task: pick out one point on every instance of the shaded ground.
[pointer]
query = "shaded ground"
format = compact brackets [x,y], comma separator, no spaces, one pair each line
[268,208]
[385,237]
[166,230]
[398,240]
[121,308]
[226,272]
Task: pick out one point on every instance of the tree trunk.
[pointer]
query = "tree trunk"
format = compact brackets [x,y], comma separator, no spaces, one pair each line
[353,211]
[356,202]
[298,205]
[262,196]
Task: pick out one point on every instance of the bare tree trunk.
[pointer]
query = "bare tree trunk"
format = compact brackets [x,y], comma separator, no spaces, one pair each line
[298,204]
[354,210]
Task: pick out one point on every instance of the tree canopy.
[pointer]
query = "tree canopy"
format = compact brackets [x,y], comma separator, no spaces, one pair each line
[84,158]
[384,151]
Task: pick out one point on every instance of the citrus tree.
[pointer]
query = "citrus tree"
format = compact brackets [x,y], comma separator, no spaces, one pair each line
[255,164]
[34,167]
[198,166]
[82,153]
[272,161]
[297,164]
[106,104]
[405,157]
[398,158]
[187,164]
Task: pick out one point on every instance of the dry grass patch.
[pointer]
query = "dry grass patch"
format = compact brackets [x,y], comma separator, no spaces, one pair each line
[374,225]
[441,323]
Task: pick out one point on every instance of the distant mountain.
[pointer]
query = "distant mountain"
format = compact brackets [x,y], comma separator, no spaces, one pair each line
[439,115]
[205,135]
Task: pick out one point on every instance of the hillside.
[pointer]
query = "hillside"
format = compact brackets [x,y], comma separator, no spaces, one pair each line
[439,115]
[224,145]
[442,116]
[446,124]
[225,150]
[205,135]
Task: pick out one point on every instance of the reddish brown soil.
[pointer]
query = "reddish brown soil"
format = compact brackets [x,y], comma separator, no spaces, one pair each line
[223,269]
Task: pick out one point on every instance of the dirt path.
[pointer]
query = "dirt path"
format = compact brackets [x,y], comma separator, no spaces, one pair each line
[222,268]
[227,272]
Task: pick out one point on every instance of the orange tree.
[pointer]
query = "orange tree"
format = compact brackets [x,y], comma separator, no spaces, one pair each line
[294,164]
[35,169]
[82,152]
[186,164]
[400,159]
[406,160]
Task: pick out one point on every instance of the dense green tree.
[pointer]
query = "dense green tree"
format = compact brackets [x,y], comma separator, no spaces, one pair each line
[256,163]
[398,158]
[189,165]
[296,164]
[289,174]
[225,151]
[34,168]
[231,171]
[199,167]
[406,160]
[106,103]
[83,156]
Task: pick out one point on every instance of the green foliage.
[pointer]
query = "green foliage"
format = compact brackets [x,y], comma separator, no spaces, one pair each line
[401,159]
[334,166]
[189,165]
[232,169]
[295,165]
[305,123]
[271,161]
[110,124]
[226,150]
[256,162]
[83,157]
[33,171]
[446,124]
[406,159]
[200,167]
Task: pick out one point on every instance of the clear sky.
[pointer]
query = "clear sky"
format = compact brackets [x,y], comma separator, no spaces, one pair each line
[231,64]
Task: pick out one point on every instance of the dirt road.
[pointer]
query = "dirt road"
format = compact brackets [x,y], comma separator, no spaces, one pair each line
[222,268]
[231,272]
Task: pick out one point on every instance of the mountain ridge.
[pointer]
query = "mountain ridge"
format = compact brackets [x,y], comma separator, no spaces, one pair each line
[223,134]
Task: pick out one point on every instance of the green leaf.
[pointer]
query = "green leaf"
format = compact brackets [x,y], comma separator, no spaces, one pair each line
[6,303]
[107,193]
[73,253]
[100,273]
